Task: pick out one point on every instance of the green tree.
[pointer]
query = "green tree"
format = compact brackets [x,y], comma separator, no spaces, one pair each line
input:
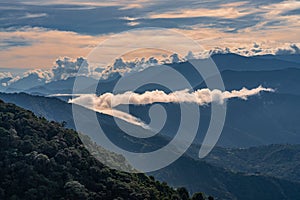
[198,196]
[183,193]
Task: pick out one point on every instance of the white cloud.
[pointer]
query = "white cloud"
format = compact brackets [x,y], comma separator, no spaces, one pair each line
[64,68]
[67,67]
[129,18]
[13,80]
[292,49]
[34,15]
[124,67]
[133,23]
[42,75]
[5,75]
[107,102]
[131,4]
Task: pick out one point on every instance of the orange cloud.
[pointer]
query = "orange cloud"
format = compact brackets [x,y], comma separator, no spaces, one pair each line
[46,46]
[226,12]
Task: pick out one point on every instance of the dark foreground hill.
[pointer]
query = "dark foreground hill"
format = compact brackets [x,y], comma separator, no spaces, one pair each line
[43,160]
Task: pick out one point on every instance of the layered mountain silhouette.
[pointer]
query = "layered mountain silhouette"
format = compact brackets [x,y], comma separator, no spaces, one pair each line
[194,174]
[35,85]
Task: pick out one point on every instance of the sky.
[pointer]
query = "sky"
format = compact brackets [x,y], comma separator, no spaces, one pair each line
[33,34]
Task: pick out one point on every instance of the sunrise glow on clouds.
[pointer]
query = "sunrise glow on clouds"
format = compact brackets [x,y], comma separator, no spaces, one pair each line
[33,37]
[43,46]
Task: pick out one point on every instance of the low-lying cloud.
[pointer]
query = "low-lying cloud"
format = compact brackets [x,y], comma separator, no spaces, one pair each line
[293,49]
[66,67]
[107,102]
[5,75]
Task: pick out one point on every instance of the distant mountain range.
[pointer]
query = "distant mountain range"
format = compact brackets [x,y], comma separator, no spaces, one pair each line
[33,84]
[270,118]
[279,160]
[256,63]
[284,81]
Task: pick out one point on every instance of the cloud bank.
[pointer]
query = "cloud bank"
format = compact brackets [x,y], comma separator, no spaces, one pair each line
[5,75]
[107,102]
[66,67]
[63,69]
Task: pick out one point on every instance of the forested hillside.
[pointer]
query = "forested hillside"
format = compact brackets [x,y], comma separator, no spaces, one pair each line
[43,160]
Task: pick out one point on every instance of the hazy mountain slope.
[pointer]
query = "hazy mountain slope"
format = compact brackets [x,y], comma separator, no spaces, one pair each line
[241,63]
[287,57]
[265,119]
[282,161]
[57,110]
[3,82]
[224,184]
[50,108]
[32,80]
[283,81]
[60,86]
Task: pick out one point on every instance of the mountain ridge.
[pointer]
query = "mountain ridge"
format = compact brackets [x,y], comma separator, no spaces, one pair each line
[219,183]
